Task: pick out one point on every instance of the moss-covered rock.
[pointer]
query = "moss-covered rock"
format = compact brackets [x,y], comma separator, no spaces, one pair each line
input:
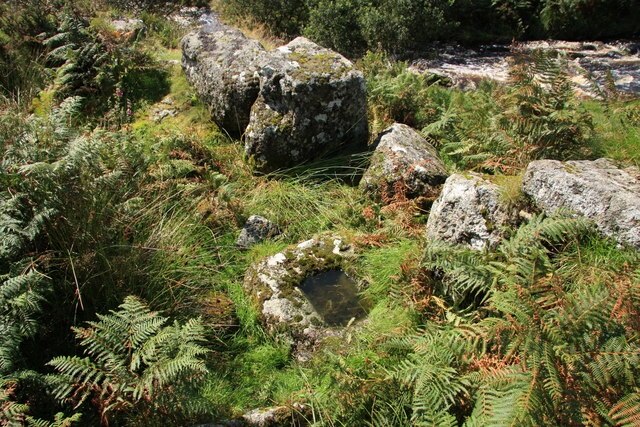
[222,65]
[311,102]
[470,211]
[403,161]
[274,287]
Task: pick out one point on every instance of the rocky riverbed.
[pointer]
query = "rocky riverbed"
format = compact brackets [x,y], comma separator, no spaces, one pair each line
[589,62]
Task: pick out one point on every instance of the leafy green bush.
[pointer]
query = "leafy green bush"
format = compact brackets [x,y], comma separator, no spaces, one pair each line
[541,332]
[284,18]
[590,19]
[401,25]
[354,26]
[336,25]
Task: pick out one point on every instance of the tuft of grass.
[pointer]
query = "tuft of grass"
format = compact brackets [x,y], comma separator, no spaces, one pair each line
[259,376]
[302,209]
[265,249]
[510,189]
[382,267]
[617,130]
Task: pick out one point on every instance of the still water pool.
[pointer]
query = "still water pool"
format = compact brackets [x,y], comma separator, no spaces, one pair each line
[335,297]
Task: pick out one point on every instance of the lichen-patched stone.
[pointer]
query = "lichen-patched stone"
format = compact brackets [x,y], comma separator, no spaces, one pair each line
[274,286]
[255,230]
[403,161]
[469,211]
[222,65]
[311,102]
[597,190]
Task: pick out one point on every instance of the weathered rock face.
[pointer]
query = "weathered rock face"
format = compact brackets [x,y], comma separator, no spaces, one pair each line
[274,286]
[128,26]
[311,102]
[469,212]
[403,161]
[255,230]
[279,416]
[597,190]
[222,65]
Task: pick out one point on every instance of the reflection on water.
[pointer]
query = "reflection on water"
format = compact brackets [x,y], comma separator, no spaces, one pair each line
[334,296]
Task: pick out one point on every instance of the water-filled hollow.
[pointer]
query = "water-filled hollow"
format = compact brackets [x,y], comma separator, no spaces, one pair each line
[334,295]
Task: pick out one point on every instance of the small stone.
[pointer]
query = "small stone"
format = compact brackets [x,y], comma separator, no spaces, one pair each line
[279,416]
[255,230]
[128,27]
[405,162]
[160,115]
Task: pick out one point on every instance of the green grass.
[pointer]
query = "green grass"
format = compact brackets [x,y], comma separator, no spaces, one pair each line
[303,209]
[618,136]
[381,267]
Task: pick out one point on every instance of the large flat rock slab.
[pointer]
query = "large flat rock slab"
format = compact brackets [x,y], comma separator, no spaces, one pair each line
[597,190]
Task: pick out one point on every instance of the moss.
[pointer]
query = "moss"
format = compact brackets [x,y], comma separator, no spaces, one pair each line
[316,322]
[570,168]
[315,259]
[489,225]
[321,63]
[269,117]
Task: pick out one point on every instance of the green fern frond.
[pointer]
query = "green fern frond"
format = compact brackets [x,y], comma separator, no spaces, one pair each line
[132,359]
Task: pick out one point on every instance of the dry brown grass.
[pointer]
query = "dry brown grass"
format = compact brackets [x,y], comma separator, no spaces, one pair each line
[249,26]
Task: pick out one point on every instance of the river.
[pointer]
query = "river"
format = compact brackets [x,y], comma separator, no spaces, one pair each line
[587,62]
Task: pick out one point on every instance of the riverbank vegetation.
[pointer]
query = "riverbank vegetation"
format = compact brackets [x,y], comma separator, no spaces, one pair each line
[398,26]
[121,297]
